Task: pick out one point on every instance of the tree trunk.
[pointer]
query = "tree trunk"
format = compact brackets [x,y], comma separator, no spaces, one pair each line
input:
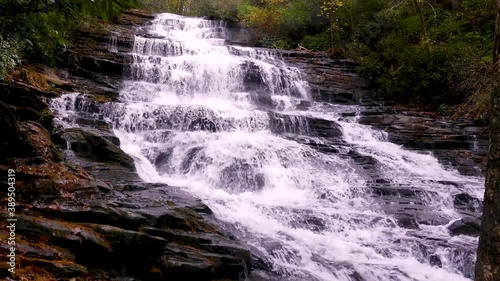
[488,255]
[456,5]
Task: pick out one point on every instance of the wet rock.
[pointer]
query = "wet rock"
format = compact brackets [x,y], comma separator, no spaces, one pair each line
[302,125]
[263,101]
[330,80]
[281,123]
[44,116]
[101,65]
[22,97]
[465,226]
[41,141]
[323,147]
[324,128]
[435,260]
[307,221]
[96,148]
[97,212]
[407,222]
[455,147]
[203,124]
[134,243]
[190,157]
[162,161]
[105,134]
[303,105]
[241,177]
[40,251]
[45,229]
[11,141]
[100,125]
[466,203]
[108,173]
[252,76]
[339,266]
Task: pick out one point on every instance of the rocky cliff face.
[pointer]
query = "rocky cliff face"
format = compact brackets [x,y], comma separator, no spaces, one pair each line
[461,144]
[83,211]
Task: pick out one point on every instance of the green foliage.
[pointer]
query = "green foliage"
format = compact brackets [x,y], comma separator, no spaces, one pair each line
[266,18]
[278,18]
[317,42]
[106,9]
[443,109]
[275,43]
[296,16]
[222,9]
[427,56]
[8,57]
[37,30]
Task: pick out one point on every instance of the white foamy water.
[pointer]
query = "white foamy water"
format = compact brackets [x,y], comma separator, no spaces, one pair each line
[189,117]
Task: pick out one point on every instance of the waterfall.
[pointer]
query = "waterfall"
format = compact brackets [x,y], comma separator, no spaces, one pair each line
[113,43]
[315,195]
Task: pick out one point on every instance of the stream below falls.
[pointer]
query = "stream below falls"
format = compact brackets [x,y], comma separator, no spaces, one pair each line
[314,194]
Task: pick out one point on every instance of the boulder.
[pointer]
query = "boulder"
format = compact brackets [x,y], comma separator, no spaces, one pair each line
[11,141]
[94,147]
[466,226]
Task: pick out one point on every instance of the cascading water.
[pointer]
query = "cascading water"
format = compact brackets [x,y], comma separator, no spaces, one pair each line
[316,195]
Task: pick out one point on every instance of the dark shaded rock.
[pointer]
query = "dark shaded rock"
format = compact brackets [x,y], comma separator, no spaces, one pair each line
[162,160]
[310,222]
[45,229]
[466,226]
[467,203]
[303,105]
[41,141]
[97,212]
[342,266]
[302,125]
[263,101]
[22,97]
[134,243]
[434,260]
[96,148]
[105,134]
[326,148]
[324,128]
[11,141]
[407,222]
[100,125]
[189,159]
[203,124]
[252,77]
[101,65]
